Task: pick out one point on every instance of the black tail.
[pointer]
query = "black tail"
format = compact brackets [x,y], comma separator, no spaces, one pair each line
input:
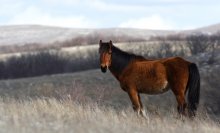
[194,89]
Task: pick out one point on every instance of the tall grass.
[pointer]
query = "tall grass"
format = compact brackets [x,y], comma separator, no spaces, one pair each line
[56,116]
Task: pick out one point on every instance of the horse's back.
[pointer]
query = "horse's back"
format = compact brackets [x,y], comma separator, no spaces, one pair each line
[170,65]
[174,61]
[175,65]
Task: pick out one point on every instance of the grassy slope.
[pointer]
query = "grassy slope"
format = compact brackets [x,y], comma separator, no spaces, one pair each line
[53,116]
[88,86]
[94,86]
[90,101]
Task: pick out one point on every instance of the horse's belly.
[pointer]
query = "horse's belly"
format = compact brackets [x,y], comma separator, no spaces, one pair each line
[155,88]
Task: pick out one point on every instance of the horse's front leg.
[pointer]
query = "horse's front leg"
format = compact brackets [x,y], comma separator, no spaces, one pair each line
[142,112]
[136,102]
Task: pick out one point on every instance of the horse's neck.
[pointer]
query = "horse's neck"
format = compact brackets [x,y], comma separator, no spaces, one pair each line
[120,60]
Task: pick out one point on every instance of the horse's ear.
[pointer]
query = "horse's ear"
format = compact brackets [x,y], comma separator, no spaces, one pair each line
[100,42]
[110,45]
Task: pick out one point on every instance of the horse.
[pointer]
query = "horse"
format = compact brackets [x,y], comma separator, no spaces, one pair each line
[137,74]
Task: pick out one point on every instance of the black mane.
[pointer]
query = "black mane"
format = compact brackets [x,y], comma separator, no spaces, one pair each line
[120,59]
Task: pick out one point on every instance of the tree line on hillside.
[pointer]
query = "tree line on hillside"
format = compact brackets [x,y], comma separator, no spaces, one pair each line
[197,43]
[46,63]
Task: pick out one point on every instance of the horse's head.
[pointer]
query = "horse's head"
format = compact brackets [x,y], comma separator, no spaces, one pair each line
[105,51]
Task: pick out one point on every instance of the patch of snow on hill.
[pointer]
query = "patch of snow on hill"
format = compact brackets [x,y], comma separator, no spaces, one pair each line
[20,35]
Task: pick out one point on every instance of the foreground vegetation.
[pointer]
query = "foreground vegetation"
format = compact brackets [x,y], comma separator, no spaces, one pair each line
[54,116]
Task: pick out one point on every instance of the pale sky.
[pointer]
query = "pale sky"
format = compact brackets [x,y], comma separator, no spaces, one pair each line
[143,14]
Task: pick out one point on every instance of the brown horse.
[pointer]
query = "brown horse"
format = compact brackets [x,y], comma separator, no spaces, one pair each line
[139,75]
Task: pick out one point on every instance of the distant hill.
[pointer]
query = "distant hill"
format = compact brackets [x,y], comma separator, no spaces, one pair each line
[23,34]
[209,29]
[29,34]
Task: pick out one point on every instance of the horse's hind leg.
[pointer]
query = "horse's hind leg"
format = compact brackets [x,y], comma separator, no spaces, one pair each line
[180,97]
[181,104]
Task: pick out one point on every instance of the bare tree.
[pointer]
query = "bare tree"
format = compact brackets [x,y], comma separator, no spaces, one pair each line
[204,44]
[198,43]
[164,50]
[214,46]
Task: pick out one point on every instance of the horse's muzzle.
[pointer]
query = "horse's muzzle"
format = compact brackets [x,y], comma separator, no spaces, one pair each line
[103,69]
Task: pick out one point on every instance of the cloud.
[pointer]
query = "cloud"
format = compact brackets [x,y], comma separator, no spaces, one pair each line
[61,2]
[10,7]
[33,15]
[153,22]
[101,5]
[96,4]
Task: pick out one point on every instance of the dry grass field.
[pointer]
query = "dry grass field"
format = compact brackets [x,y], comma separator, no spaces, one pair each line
[63,116]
